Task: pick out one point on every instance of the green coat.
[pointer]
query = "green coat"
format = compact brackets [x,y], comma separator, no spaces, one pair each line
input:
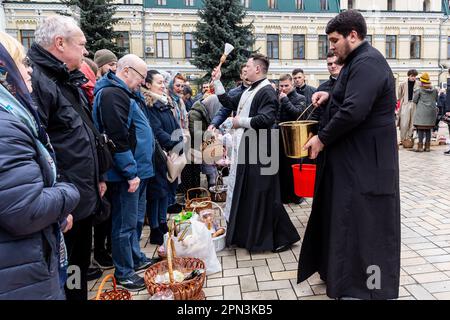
[426,110]
[198,113]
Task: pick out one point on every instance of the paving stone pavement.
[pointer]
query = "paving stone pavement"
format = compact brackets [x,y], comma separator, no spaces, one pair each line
[425,256]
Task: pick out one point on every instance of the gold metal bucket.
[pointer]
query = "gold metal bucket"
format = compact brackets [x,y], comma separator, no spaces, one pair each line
[295,135]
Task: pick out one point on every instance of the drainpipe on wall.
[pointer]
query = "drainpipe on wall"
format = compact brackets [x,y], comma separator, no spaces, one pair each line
[443,68]
[143,31]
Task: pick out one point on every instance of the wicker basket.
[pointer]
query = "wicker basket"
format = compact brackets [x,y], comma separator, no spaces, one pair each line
[198,203]
[212,150]
[185,290]
[114,294]
[219,191]
[220,241]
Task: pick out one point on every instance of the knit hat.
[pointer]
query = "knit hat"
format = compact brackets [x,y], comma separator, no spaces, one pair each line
[104,56]
[425,78]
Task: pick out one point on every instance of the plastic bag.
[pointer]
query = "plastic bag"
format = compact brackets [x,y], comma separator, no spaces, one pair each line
[165,294]
[198,244]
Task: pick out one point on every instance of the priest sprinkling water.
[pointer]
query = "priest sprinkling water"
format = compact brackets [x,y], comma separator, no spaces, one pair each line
[256,217]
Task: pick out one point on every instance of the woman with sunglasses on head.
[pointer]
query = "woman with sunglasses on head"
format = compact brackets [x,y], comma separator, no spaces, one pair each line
[34,209]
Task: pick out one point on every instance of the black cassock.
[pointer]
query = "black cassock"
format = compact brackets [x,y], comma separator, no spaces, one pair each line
[353,235]
[258,220]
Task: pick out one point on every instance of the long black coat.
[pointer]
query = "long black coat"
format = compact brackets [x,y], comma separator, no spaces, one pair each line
[54,89]
[355,218]
[258,220]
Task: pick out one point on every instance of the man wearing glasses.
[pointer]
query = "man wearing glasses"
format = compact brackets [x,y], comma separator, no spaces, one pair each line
[118,110]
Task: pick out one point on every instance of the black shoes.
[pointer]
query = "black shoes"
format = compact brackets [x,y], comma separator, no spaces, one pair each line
[447,153]
[103,260]
[175,208]
[298,200]
[282,248]
[147,263]
[134,283]
[156,236]
[94,273]
[163,227]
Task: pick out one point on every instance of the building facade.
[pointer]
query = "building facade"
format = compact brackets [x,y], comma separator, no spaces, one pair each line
[410,33]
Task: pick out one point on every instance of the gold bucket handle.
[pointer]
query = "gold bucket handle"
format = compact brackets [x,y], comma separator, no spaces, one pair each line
[305,111]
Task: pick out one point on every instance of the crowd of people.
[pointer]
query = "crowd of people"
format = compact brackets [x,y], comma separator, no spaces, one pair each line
[64,114]
[87,144]
[421,107]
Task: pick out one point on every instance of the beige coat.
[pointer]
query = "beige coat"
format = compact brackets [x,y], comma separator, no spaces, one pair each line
[403,91]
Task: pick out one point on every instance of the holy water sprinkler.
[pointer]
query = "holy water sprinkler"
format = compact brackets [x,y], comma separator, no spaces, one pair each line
[227,51]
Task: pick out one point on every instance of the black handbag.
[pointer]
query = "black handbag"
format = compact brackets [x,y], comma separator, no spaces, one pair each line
[105,146]
[103,213]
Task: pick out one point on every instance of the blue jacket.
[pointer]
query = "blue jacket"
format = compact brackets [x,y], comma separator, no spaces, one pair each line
[119,113]
[29,215]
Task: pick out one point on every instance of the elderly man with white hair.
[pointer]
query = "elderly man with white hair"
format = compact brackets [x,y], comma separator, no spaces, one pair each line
[56,55]
[119,111]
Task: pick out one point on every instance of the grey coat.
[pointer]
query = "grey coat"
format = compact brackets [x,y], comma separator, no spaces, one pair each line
[426,110]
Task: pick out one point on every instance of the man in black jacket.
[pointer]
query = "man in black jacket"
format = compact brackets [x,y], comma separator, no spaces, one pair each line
[291,107]
[300,85]
[56,55]
[334,68]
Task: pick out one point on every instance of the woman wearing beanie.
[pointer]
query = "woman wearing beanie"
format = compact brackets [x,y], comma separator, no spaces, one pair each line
[426,111]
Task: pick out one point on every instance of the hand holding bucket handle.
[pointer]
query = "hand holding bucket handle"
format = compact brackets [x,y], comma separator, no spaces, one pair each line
[320,97]
[315,146]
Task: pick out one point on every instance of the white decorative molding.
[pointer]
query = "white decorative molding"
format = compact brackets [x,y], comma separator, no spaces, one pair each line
[431,36]
[12,32]
[260,36]
[35,6]
[288,37]
[135,34]
[176,35]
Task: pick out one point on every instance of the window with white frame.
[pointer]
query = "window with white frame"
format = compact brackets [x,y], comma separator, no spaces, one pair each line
[162,45]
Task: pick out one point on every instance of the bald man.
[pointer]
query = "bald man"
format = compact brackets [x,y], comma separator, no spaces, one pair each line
[118,110]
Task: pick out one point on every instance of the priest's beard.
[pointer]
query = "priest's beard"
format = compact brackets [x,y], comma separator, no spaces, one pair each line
[346,51]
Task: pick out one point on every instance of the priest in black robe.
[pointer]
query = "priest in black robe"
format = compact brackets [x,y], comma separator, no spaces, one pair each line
[353,234]
[256,216]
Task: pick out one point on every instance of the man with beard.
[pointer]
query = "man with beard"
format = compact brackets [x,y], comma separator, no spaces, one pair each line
[353,235]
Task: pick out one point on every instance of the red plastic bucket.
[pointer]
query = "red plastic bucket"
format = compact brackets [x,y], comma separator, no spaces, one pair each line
[304,180]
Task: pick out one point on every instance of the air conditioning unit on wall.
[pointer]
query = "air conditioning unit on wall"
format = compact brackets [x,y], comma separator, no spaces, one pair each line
[150,49]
